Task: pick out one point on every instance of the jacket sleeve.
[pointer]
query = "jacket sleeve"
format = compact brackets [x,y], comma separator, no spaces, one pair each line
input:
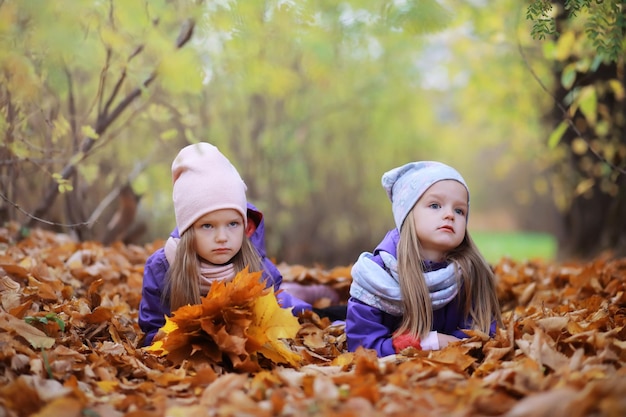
[287,300]
[152,311]
[369,327]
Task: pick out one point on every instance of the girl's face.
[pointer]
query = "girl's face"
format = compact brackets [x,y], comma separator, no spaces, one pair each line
[219,235]
[440,218]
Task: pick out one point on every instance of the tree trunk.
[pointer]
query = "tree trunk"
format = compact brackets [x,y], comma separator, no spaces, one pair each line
[595,221]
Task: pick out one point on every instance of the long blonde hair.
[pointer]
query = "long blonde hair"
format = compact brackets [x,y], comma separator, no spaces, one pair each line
[182,283]
[477,282]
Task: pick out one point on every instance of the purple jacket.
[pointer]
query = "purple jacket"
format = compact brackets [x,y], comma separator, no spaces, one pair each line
[372,328]
[152,311]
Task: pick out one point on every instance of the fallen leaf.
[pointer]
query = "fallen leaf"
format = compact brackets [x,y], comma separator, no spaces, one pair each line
[34,336]
[561,348]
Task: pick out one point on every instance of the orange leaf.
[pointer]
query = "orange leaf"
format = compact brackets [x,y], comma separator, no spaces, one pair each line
[235,321]
[99,315]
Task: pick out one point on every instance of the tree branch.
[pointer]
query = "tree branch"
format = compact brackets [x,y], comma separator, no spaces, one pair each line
[103,80]
[95,215]
[35,218]
[102,123]
[568,119]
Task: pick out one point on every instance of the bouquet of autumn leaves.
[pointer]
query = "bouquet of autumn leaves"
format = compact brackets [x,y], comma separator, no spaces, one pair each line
[238,325]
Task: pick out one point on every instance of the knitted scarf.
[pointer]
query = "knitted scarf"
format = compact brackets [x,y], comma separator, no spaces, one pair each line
[208,273]
[380,288]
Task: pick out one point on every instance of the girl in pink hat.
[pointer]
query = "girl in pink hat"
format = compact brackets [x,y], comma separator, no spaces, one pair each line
[218,233]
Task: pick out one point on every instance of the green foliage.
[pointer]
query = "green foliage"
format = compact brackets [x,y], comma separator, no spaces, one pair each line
[588,149]
[543,25]
[590,36]
[605,26]
[606,29]
[45,319]
[557,134]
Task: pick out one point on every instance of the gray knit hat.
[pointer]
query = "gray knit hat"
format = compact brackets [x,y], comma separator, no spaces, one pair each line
[406,184]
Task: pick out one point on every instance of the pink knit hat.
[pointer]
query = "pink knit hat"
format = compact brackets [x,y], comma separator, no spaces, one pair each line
[204,181]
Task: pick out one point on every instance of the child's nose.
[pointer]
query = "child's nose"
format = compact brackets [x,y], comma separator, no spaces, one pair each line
[220,235]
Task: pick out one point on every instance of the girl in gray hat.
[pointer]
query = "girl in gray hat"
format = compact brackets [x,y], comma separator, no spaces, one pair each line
[426,281]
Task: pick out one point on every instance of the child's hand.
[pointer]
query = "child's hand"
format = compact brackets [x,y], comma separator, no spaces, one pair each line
[444,339]
[434,341]
[405,340]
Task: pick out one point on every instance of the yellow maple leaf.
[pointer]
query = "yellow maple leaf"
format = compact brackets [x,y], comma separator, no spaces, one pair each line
[169,325]
[271,324]
[157,347]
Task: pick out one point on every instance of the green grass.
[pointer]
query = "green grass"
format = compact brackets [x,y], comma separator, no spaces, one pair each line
[520,246]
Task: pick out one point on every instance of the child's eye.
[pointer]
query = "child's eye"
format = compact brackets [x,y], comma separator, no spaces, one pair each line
[460,211]
[234,224]
[434,205]
[206,226]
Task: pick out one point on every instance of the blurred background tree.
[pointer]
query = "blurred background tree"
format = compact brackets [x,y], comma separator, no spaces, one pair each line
[76,92]
[585,43]
[311,100]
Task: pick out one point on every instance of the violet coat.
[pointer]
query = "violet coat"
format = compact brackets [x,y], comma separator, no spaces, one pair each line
[373,328]
[152,310]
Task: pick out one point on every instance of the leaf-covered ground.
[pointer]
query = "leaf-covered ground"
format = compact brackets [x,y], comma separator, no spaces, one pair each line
[68,336]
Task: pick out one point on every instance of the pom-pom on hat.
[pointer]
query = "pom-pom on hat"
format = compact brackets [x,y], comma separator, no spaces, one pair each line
[204,181]
[406,184]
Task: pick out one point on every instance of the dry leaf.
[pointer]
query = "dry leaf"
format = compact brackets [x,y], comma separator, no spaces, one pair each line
[234,323]
[561,350]
[34,336]
[270,325]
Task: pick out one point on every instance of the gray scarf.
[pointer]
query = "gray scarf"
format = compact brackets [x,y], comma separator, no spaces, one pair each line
[379,288]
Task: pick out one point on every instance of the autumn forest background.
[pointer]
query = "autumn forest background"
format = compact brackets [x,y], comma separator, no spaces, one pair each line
[312,101]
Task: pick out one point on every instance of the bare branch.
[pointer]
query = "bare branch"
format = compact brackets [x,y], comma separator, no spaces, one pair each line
[116,90]
[35,218]
[102,123]
[185,33]
[103,80]
[120,82]
[138,169]
[71,106]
